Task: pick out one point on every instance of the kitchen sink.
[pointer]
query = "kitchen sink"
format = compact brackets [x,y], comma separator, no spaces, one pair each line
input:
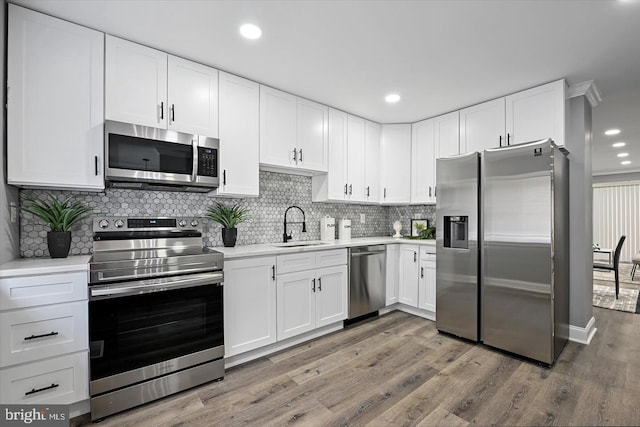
[298,244]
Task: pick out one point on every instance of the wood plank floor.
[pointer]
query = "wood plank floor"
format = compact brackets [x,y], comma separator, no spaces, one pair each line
[397,370]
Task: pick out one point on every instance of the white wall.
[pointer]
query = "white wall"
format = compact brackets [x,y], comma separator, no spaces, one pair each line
[616,212]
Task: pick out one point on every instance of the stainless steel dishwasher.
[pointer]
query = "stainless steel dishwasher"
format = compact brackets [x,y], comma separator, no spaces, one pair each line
[367,279]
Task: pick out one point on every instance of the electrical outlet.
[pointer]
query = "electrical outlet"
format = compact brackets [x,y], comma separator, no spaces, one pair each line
[362,219]
[13,212]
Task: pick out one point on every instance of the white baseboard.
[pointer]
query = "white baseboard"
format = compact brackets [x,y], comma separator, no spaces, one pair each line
[583,335]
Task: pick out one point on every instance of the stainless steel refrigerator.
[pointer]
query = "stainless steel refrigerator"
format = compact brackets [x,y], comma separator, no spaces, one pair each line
[516,226]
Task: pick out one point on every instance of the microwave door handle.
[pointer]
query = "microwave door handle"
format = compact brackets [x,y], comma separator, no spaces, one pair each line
[194,169]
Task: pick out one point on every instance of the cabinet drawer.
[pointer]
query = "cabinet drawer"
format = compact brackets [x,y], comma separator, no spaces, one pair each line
[331,258]
[295,262]
[60,380]
[425,252]
[35,333]
[28,291]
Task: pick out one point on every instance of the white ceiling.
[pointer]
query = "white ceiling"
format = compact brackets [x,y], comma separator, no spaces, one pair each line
[438,55]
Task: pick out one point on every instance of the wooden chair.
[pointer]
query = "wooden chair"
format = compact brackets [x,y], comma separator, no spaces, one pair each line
[614,266]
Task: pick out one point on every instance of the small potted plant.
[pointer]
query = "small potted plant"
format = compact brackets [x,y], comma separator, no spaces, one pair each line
[60,216]
[228,217]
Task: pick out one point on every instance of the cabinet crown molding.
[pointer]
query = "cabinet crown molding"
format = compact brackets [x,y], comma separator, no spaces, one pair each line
[588,89]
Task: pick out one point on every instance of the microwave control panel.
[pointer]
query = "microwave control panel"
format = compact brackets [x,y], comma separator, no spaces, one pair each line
[207,161]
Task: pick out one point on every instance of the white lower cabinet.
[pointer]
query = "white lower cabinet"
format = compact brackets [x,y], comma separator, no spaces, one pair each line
[44,354]
[427,282]
[409,269]
[417,287]
[393,258]
[249,304]
[311,298]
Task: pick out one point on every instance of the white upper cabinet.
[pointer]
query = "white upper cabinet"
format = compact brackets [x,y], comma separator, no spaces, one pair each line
[148,87]
[135,83]
[351,152]
[482,126]
[423,178]
[192,97]
[372,162]
[355,159]
[447,135]
[312,142]
[239,136]
[293,132]
[55,119]
[537,113]
[395,154]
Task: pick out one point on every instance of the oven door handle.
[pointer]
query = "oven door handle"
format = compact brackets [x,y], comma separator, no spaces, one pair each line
[154,285]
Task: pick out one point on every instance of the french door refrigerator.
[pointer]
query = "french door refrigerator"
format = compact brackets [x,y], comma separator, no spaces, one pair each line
[522,286]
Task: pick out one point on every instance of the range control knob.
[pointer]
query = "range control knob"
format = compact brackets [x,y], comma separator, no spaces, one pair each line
[103,223]
[119,223]
[182,223]
[194,223]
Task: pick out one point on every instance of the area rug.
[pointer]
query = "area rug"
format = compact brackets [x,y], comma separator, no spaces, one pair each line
[605,297]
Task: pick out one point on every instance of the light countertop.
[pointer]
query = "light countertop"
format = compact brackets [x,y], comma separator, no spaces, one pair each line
[272,248]
[30,266]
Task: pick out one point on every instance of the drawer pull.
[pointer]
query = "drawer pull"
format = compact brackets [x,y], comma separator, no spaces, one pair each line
[33,337]
[33,390]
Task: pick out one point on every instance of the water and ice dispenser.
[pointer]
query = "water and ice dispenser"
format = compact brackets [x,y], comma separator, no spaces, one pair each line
[456,232]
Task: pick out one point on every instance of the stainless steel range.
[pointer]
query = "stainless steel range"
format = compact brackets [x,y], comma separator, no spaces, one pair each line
[155,311]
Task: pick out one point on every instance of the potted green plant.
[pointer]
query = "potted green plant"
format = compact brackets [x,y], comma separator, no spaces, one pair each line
[228,217]
[60,216]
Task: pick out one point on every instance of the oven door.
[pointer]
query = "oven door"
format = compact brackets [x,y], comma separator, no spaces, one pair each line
[144,329]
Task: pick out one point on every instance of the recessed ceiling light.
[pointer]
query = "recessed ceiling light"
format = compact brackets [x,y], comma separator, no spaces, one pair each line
[612,132]
[250,31]
[618,144]
[623,155]
[626,162]
[392,98]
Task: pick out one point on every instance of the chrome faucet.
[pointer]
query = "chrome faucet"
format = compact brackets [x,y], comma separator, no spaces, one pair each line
[286,237]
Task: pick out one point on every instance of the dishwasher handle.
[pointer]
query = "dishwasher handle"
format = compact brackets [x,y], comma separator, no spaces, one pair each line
[366,253]
[372,249]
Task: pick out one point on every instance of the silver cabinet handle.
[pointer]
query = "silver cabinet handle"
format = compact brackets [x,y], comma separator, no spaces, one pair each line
[273,272]
[314,285]
[319,284]
[508,139]
[500,140]
[368,194]
[300,154]
[429,191]
[345,189]
[350,189]
[415,256]
[295,155]
[385,193]
[173,113]
[96,164]
[421,272]
[162,110]
[33,337]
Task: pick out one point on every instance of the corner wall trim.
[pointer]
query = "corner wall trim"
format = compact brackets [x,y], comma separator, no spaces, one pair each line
[583,335]
[588,89]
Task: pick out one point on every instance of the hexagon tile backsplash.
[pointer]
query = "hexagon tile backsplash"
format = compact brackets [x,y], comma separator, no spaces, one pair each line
[277,192]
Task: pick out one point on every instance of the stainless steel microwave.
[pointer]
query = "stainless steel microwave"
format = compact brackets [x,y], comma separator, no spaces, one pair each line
[157,159]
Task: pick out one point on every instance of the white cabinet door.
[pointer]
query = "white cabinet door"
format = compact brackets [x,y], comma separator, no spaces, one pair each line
[537,113]
[312,140]
[427,286]
[482,126]
[372,162]
[278,117]
[331,295]
[355,168]
[55,84]
[192,97]
[395,160]
[239,136]
[408,286]
[447,135]
[296,303]
[135,83]
[393,260]
[249,304]
[423,162]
